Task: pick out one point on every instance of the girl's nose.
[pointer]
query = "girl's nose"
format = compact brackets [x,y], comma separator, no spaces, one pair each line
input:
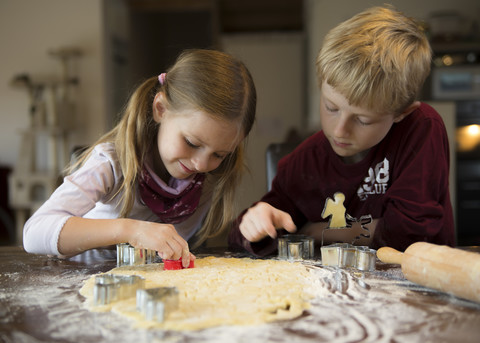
[201,163]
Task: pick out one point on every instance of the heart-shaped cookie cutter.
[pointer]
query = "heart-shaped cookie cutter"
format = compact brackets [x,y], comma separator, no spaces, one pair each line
[157,303]
[113,287]
[128,255]
[296,247]
[344,255]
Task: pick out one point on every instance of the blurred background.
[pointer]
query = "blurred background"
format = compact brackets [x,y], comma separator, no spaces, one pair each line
[68,66]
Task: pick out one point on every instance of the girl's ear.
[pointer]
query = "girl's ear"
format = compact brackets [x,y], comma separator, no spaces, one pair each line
[158,107]
[410,109]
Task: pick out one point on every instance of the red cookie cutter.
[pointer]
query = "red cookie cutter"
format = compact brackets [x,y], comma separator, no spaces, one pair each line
[176,264]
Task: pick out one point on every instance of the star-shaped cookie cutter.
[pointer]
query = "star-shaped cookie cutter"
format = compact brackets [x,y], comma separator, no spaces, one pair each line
[112,287]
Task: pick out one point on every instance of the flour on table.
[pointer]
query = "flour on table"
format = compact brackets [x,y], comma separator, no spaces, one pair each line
[221,291]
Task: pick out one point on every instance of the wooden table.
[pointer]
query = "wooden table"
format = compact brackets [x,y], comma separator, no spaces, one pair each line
[39,302]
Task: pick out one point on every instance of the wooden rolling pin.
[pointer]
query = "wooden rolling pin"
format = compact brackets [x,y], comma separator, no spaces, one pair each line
[440,267]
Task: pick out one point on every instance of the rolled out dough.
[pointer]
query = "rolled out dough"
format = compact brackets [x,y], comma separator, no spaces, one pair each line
[220,291]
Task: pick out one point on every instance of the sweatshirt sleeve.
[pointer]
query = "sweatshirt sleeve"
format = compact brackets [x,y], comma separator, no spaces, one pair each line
[277,198]
[417,206]
[77,195]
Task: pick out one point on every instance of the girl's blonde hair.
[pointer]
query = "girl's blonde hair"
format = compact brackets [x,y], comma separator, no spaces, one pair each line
[205,80]
[378,59]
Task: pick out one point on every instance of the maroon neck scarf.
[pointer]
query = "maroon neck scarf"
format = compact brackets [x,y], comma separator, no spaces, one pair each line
[169,207]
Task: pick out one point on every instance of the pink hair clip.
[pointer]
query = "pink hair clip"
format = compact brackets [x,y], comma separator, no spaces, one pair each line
[161,78]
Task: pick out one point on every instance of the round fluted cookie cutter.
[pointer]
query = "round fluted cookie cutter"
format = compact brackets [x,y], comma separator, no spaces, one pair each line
[296,247]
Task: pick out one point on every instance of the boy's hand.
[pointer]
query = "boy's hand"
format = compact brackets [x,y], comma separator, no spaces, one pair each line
[263,220]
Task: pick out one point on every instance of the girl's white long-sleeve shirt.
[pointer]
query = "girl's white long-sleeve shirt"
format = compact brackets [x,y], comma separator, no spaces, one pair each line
[88,193]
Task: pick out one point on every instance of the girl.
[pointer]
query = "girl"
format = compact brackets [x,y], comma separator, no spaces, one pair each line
[165,174]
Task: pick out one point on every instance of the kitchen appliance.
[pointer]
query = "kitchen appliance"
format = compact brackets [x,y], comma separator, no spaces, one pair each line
[456,82]
[455,77]
[468,172]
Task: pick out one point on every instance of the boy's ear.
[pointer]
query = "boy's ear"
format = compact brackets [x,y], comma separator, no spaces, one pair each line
[158,107]
[408,110]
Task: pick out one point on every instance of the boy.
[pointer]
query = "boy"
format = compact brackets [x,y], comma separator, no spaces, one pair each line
[380,151]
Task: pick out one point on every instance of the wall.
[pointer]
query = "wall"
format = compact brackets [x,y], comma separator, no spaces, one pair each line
[115,43]
[275,62]
[28,29]
[447,109]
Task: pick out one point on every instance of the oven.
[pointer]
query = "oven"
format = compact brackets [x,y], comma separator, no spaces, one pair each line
[468,172]
[456,77]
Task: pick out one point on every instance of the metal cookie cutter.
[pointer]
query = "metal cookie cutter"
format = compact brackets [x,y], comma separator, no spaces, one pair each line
[344,255]
[128,255]
[112,287]
[157,303]
[295,247]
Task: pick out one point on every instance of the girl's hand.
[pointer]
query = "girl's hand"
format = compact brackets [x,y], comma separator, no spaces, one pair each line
[160,237]
[263,220]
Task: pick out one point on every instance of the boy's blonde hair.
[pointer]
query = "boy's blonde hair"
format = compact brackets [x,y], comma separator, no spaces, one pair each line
[206,80]
[378,59]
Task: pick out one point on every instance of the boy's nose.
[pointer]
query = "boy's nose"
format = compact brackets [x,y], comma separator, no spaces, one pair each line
[341,129]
